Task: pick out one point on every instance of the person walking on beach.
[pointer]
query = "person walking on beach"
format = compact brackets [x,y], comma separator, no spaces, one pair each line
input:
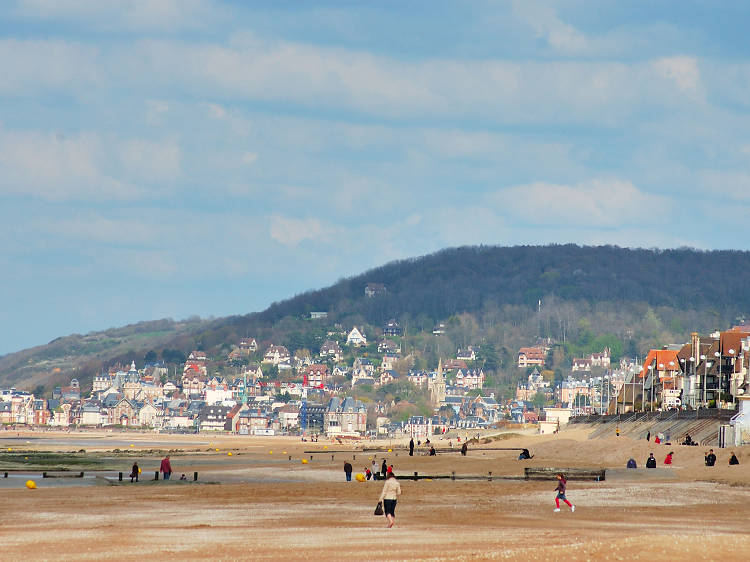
[384,469]
[348,471]
[561,485]
[166,468]
[464,448]
[648,436]
[389,496]
[411,447]
[374,470]
[651,461]
[733,459]
[134,472]
[668,458]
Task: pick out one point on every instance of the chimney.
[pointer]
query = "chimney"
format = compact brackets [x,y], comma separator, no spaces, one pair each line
[695,343]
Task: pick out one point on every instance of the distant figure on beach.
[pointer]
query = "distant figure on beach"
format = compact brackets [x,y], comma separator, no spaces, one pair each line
[384,469]
[427,441]
[389,470]
[688,440]
[134,472]
[657,440]
[632,463]
[411,447]
[374,470]
[668,458]
[648,436]
[562,483]
[389,496]
[432,451]
[617,431]
[710,458]
[348,471]
[368,474]
[525,455]
[464,448]
[651,461]
[183,477]
[166,468]
[733,459]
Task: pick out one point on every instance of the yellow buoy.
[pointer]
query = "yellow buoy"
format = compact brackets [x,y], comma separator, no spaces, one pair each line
[139,470]
[132,445]
[325,446]
[270,452]
[304,461]
[217,450]
[390,450]
[31,485]
[229,454]
[360,477]
[9,449]
[284,452]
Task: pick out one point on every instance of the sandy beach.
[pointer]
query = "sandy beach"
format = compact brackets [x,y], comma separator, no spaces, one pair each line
[258,504]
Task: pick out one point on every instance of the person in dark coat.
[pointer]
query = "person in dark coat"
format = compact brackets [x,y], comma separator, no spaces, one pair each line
[348,471]
[432,451]
[651,461]
[464,448]
[733,459]
[710,458]
[384,469]
[411,447]
[648,436]
[632,463]
[134,472]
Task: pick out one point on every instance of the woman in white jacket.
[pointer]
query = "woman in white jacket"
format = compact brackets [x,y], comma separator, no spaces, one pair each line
[389,495]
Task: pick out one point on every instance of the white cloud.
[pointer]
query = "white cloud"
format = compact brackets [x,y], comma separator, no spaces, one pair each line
[132,15]
[249,157]
[543,19]
[603,203]
[149,160]
[733,184]
[216,111]
[290,231]
[155,111]
[682,70]
[38,67]
[57,167]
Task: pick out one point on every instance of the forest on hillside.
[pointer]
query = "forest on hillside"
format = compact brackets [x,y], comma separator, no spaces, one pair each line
[498,298]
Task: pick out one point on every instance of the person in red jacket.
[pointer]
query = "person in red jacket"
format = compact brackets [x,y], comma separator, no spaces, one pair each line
[668,458]
[166,468]
[561,485]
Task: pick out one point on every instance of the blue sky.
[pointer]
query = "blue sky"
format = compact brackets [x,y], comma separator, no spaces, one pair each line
[168,158]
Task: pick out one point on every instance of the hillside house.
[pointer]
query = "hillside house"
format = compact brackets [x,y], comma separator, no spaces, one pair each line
[374,289]
[332,350]
[392,328]
[467,354]
[277,355]
[530,356]
[315,375]
[356,338]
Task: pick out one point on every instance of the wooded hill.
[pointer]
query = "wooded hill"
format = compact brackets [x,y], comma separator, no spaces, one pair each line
[497,297]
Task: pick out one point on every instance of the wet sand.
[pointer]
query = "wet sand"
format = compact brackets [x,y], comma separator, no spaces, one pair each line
[260,505]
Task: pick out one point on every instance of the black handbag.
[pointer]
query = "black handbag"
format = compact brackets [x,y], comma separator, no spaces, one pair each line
[379,509]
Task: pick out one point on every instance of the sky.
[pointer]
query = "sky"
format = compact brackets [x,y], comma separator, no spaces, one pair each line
[171,158]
